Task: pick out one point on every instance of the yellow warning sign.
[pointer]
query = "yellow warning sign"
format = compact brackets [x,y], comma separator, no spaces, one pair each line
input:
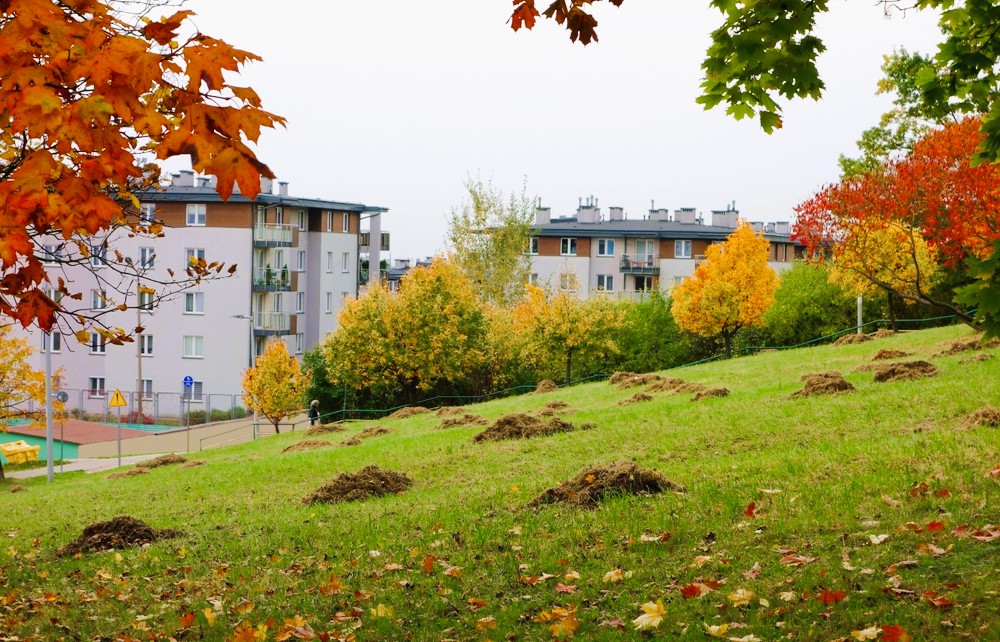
[117,400]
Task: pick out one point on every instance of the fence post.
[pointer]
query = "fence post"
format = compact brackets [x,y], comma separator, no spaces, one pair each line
[859,315]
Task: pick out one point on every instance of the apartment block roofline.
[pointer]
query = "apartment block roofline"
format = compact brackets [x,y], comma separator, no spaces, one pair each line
[639,229]
[179,194]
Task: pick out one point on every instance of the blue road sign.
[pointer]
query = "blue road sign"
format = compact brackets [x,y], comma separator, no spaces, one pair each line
[188,381]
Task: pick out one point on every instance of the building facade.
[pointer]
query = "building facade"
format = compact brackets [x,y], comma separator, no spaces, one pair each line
[590,255]
[297,260]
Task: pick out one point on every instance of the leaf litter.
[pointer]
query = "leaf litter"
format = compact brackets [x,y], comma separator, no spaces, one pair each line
[117,533]
[597,483]
[370,481]
[523,426]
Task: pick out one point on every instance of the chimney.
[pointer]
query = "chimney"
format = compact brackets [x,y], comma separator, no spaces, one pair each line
[757,226]
[782,227]
[588,213]
[203,181]
[685,215]
[282,188]
[266,185]
[184,179]
[727,218]
[616,213]
[662,215]
[543,215]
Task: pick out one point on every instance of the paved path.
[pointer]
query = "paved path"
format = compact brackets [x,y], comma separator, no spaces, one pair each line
[86,465]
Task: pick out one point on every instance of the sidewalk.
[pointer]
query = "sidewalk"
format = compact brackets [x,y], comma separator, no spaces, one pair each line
[90,465]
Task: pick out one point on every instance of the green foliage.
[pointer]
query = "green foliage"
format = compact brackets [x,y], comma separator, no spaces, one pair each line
[198,416]
[319,387]
[984,291]
[649,338]
[807,305]
[487,238]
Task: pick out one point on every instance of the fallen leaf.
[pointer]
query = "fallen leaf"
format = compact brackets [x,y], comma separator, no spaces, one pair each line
[891,502]
[751,510]
[209,616]
[995,473]
[716,631]
[486,623]
[788,596]
[746,638]
[930,549]
[796,560]
[651,616]
[829,597]
[614,576]
[428,565]
[697,589]
[475,603]
[753,572]
[571,575]
[741,597]
[934,527]
[940,602]
[769,491]
[870,633]
[700,561]
[615,623]
[663,537]
[564,588]
[877,539]
[894,633]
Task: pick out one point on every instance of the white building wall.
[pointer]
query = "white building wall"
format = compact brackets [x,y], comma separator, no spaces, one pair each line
[323,278]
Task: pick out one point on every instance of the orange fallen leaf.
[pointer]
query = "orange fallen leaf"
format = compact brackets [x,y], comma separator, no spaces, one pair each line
[940,602]
[894,633]
[486,624]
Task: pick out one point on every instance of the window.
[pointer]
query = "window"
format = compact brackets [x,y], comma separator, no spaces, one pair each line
[96,387]
[347,222]
[194,303]
[605,247]
[55,295]
[345,261]
[644,252]
[51,254]
[98,299]
[329,221]
[261,216]
[643,283]
[146,257]
[146,301]
[279,216]
[300,340]
[195,392]
[193,254]
[533,278]
[569,282]
[567,247]
[98,256]
[300,262]
[329,261]
[278,302]
[146,388]
[300,302]
[682,249]
[56,341]
[97,343]
[303,220]
[146,345]
[532,245]
[195,215]
[147,212]
[329,302]
[606,282]
[194,347]
[343,297]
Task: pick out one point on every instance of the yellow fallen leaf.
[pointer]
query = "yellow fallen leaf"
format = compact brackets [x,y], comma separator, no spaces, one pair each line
[209,616]
[746,638]
[381,611]
[787,596]
[652,615]
[716,631]
[741,597]
[871,633]
[486,623]
[700,561]
[614,576]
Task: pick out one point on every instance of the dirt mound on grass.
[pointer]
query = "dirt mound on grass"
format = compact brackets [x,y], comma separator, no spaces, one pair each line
[890,354]
[553,408]
[666,385]
[638,397]
[324,429]
[371,431]
[596,483]
[546,385]
[120,532]
[885,333]
[904,370]
[308,444]
[690,387]
[823,383]
[985,416]
[370,481]
[410,411]
[959,346]
[194,463]
[521,426]
[710,392]
[982,356]
[162,460]
[131,472]
[444,411]
[17,488]
[464,420]
[852,338]
[630,379]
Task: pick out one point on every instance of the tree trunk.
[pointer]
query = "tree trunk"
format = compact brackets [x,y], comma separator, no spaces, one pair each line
[892,310]
[277,430]
[727,340]
[1,471]
[569,365]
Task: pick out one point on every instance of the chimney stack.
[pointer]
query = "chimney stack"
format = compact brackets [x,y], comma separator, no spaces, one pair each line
[282,188]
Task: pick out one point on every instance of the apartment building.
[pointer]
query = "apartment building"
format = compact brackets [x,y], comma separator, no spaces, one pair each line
[297,260]
[590,255]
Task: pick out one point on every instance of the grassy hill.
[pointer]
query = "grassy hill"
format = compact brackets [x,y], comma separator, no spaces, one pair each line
[809,518]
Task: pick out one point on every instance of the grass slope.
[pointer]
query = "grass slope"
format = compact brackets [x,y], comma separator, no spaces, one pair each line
[459,556]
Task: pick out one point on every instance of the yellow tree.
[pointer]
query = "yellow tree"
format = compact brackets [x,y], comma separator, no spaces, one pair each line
[20,385]
[275,386]
[731,289]
[358,353]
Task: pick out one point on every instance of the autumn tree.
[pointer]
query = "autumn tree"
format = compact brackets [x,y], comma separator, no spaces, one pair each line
[487,238]
[88,94]
[563,330]
[22,389]
[275,386]
[936,205]
[731,289]
[765,51]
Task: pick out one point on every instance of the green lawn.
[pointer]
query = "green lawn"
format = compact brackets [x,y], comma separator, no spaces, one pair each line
[859,503]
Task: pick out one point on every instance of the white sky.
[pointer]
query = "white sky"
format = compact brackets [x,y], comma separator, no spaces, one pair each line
[395,103]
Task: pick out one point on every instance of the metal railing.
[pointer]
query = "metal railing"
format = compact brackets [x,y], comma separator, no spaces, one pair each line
[640,264]
[272,321]
[273,233]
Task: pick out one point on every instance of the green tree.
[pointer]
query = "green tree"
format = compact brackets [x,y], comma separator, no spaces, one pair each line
[275,386]
[650,339]
[320,388]
[487,238]
[731,289]
[807,305]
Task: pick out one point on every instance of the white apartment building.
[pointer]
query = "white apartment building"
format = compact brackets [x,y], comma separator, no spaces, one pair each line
[590,255]
[297,261]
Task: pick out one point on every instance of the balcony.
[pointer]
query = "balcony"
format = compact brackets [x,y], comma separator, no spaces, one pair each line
[279,235]
[267,324]
[641,264]
[267,279]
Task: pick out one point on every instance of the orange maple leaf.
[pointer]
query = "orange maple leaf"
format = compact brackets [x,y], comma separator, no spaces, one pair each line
[894,633]
[524,15]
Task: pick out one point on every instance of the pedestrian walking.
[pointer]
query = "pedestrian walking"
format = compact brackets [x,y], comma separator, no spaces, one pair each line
[313,412]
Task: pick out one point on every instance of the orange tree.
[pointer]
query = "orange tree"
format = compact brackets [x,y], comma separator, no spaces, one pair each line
[731,289]
[275,387]
[87,91]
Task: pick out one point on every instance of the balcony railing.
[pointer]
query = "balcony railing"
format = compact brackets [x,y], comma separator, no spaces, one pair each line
[267,279]
[272,323]
[639,264]
[273,235]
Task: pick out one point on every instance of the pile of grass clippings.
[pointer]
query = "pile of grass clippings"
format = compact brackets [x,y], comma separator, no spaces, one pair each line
[131,472]
[710,392]
[307,444]
[823,383]
[464,420]
[631,379]
[371,431]
[985,416]
[409,411]
[597,483]
[522,426]
[849,339]
[638,397]
[904,370]
[162,460]
[546,385]
[120,532]
[370,481]
[324,429]
[884,354]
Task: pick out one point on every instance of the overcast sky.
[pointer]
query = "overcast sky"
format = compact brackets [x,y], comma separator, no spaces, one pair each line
[395,103]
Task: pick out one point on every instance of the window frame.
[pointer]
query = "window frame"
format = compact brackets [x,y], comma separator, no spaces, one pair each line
[603,245]
[683,245]
[147,257]
[56,343]
[532,246]
[303,220]
[346,228]
[329,221]
[97,391]
[197,345]
[98,344]
[51,254]
[606,282]
[345,262]
[329,303]
[567,246]
[196,215]
[98,299]
[300,341]
[329,262]
[194,298]
[98,256]
[144,349]
[300,302]
[300,261]
[143,388]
